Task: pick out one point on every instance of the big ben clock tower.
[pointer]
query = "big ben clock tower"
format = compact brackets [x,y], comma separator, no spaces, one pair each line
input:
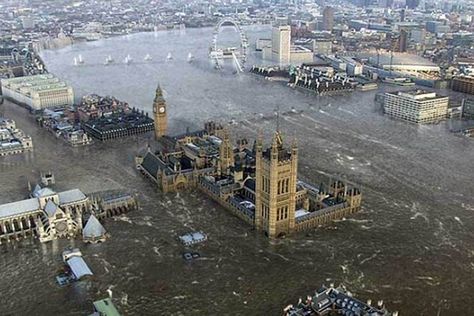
[159,111]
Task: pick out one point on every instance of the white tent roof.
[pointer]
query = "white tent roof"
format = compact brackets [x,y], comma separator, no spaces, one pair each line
[93,228]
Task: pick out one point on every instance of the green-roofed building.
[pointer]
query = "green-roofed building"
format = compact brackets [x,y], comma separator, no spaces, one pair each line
[105,307]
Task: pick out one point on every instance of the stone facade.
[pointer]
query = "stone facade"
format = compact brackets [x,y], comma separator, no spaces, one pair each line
[258,185]
[160,115]
[48,215]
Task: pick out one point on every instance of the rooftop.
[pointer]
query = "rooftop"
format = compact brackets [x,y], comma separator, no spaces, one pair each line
[419,95]
[106,307]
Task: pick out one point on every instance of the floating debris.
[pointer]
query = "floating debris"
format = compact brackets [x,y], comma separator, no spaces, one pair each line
[75,269]
[335,300]
[192,238]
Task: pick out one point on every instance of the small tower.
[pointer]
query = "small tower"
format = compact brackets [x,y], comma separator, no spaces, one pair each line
[160,114]
[275,199]
[226,153]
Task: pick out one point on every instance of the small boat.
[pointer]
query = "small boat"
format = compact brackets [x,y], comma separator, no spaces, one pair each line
[75,61]
[128,60]
[192,238]
[108,60]
[190,58]
[169,57]
[80,61]
[147,57]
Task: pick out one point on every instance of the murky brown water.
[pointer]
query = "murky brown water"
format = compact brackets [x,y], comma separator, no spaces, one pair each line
[411,245]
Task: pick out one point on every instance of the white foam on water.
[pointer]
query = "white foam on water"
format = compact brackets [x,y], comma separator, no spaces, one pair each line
[376,141]
[346,111]
[344,268]
[457,219]
[418,214]
[124,299]
[157,251]
[369,258]
[123,218]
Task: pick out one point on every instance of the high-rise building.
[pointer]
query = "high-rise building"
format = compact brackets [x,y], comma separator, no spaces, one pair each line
[160,115]
[416,106]
[281,44]
[403,41]
[275,198]
[328,18]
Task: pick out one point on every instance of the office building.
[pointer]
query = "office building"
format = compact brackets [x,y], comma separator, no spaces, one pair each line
[417,106]
[328,18]
[463,84]
[403,41]
[281,44]
[38,92]
[468,109]
[323,47]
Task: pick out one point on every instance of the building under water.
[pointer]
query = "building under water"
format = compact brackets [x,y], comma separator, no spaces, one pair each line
[257,183]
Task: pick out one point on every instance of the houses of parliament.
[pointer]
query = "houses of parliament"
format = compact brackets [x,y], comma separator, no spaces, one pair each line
[256,182]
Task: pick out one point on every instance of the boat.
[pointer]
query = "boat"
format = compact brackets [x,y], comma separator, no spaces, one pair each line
[80,61]
[75,61]
[128,60]
[169,57]
[108,60]
[192,238]
[147,57]
[190,58]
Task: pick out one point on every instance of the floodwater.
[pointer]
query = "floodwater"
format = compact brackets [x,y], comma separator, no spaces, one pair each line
[412,244]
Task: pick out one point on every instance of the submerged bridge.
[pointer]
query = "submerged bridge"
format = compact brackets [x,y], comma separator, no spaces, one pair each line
[237,54]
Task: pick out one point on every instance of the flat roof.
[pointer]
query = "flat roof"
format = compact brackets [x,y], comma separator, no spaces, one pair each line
[29,78]
[35,83]
[418,95]
[398,59]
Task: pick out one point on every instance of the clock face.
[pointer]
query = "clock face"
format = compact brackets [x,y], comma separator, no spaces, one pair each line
[162,109]
[61,227]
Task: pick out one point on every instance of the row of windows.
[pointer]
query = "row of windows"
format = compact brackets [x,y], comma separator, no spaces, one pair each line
[283,186]
[265,184]
[282,213]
